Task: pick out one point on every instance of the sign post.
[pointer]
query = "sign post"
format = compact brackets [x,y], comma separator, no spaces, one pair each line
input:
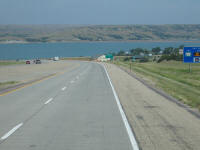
[191,55]
[189,67]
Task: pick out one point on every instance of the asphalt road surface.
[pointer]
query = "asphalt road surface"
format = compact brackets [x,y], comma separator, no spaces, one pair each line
[76,110]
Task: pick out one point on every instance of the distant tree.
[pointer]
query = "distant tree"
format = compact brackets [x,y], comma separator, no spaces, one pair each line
[156,50]
[144,59]
[114,54]
[146,51]
[127,59]
[137,51]
[121,53]
[181,46]
[168,50]
[171,53]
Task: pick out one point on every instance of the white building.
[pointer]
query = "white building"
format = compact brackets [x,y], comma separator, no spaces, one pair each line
[103,58]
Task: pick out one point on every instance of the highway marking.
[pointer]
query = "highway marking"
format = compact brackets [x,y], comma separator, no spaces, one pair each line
[77,77]
[72,81]
[64,88]
[29,84]
[48,101]
[11,131]
[124,118]
[38,81]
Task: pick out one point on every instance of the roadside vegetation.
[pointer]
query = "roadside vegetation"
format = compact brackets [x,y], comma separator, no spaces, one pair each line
[7,84]
[77,58]
[168,72]
[5,63]
[172,77]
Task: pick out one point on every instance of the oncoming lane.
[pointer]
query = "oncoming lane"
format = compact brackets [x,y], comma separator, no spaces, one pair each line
[82,114]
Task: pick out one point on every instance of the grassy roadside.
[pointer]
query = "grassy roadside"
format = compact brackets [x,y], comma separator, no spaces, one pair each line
[5,63]
[7,84]
[172,77]
[78,58]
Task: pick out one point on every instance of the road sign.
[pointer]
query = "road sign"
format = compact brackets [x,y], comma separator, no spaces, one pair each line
[191,55]
[110,56]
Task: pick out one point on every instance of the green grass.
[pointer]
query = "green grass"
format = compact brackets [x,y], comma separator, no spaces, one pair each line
[172,77]
[8,83]
[5,63]
[78,58]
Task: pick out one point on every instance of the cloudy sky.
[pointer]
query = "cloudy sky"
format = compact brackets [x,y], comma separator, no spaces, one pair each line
[99,12]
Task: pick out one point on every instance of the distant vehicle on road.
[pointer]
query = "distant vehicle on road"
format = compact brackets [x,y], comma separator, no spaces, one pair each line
[38,61]
[28,62]
[56,58]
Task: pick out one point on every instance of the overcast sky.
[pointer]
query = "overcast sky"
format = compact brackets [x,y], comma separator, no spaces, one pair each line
[99,11]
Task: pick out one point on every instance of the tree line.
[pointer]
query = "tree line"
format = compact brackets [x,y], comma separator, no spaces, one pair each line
[168,53]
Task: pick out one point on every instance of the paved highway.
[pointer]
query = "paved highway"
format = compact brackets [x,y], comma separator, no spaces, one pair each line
[76,110]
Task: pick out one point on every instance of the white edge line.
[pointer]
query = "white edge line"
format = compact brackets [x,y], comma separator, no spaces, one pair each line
[48,101]
[126,123]
[11,132]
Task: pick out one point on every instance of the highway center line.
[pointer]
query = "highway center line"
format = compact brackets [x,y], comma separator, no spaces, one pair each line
[64,88]
[124,118]
[48,101]
[11,131]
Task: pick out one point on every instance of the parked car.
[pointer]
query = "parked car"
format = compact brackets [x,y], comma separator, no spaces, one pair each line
[28,62]
[38,61]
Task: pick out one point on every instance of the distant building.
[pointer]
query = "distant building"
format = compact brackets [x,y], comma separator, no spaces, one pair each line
[127,52]
[103,58]
[180,51]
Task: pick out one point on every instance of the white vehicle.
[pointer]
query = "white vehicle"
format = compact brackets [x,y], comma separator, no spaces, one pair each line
[56,58]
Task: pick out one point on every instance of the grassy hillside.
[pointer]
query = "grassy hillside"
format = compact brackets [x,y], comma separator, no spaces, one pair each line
[58,33]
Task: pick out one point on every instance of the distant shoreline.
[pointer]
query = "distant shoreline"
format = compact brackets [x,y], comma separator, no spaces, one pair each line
[128,41]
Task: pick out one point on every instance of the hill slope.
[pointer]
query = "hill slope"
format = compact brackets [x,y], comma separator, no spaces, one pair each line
[59,33]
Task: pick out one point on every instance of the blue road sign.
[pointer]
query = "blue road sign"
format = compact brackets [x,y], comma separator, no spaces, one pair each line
[191,55]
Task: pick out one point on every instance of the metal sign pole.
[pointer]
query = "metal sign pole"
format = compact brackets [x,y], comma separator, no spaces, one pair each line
[189,68]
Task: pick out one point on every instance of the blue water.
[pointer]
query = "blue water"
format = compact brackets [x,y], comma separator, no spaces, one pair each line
[73,49]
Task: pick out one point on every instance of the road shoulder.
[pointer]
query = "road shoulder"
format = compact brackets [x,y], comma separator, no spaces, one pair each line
[157,122]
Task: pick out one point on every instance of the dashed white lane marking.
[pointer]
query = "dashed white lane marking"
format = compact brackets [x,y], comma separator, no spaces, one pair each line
[48,101]
[11,131]
[64,88]
[72,81]
[77,77]
[126,123]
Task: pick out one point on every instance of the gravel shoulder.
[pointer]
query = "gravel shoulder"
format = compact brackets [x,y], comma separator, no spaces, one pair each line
[157,122]
[18,74]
